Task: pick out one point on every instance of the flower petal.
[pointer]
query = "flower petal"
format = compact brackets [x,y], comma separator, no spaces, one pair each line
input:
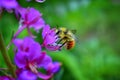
[32,18]
[8,4]
[53,48]
[20,59]
[17,42]
[43,76]
[27,42]
[6,78]
[32,14]
[45,31]
[39,24]
[45,60]
[35,51]
[49,36]
[52,68]
[27,75]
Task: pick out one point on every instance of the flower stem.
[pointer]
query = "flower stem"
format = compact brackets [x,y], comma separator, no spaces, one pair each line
[6,57]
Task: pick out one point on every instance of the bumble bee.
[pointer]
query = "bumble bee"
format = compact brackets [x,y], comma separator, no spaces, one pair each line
[65,38]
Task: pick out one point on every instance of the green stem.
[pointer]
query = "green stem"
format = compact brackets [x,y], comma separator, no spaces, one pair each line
[6,57]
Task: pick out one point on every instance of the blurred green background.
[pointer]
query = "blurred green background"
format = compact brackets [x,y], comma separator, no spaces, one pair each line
[96,55]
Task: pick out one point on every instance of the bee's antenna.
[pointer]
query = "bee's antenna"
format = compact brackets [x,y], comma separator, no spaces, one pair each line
[57,26]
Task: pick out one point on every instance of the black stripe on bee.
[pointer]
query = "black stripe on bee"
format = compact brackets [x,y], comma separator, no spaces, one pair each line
[58,31]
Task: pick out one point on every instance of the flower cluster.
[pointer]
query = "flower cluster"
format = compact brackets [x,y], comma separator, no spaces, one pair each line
[29,56]
[29,18]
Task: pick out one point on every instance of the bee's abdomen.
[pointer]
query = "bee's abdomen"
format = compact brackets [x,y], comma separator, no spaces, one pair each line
[70,44]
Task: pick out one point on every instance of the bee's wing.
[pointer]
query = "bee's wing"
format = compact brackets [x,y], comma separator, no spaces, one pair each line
[77,40]
[74,31]
[76,36]
[80,44]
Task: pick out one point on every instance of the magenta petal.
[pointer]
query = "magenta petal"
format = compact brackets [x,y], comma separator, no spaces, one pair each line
[35,51]
[34,48]
[20,59]
[39,24]
[53,68]
[40,59]
[50,39]
[32,14]
[49,36]
[17,42]
[27,75]
[6,78]
[28,45]
[45,60]
[43,76]
[28,41]
[24,45]
[28,51]
[9,3]
[52,48]
[45,31]
[32,18]
[22,11]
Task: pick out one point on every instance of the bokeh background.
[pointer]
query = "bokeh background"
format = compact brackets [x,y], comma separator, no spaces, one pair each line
[96,55]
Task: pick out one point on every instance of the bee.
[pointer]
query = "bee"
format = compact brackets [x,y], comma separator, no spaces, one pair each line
[66,37]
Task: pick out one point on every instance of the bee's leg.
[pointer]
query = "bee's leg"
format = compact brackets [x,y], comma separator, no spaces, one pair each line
[63,44]
[60,41]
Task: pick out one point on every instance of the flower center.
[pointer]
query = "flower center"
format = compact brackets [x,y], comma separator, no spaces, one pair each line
[33,68]
[24,49]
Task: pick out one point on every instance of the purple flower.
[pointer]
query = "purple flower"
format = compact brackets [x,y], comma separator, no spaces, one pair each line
[29,57]
[8,4]
[30,18]
[6,78]
[53,67]
[26,74]
[49,38]
[23,74]
[28,45]
[31,64]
